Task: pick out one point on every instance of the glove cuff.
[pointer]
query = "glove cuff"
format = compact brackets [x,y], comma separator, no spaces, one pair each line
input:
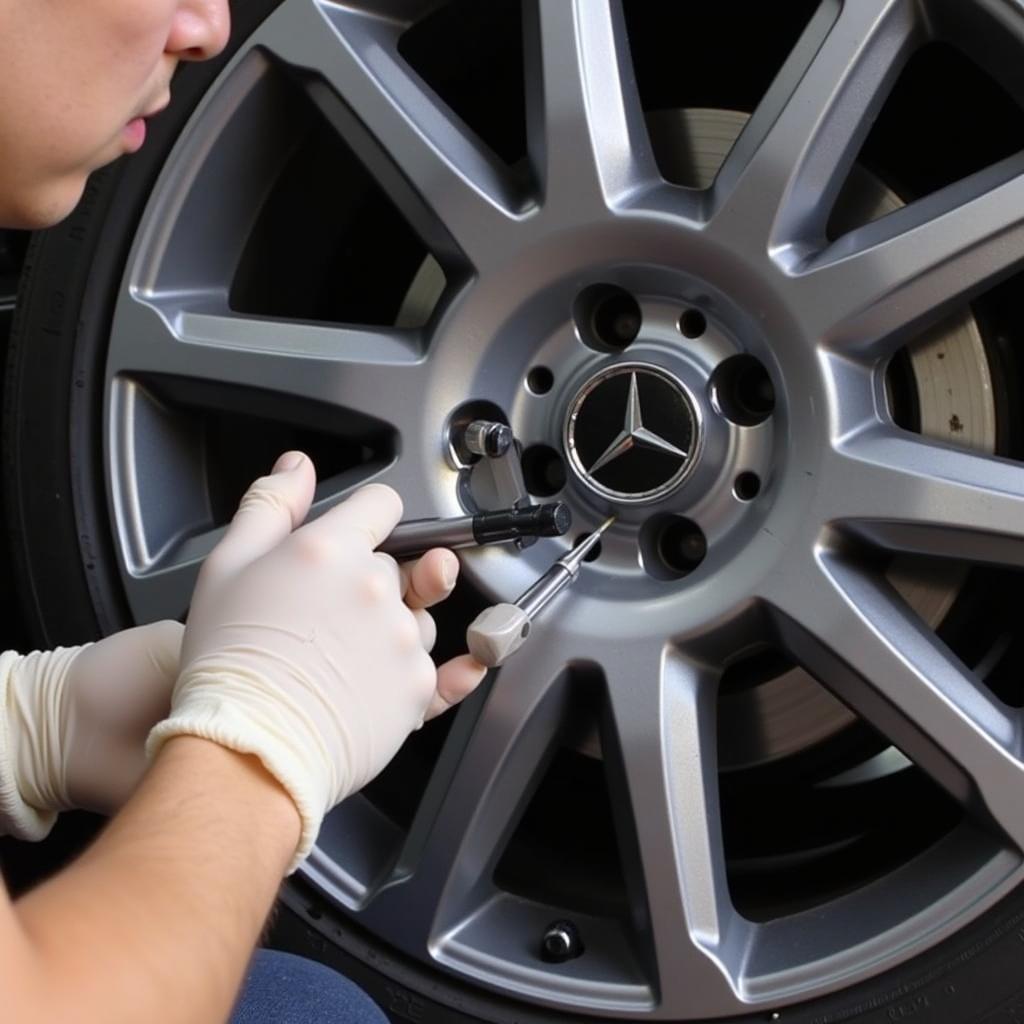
[228,715]
[17,818]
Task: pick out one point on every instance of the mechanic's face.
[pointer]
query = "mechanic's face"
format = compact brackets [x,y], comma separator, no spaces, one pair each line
[75,77]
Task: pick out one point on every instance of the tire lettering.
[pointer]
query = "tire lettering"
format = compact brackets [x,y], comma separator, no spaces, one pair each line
[405,1004]
[911,1008]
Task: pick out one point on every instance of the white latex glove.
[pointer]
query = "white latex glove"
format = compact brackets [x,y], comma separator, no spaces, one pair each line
[308,649]
[74,721]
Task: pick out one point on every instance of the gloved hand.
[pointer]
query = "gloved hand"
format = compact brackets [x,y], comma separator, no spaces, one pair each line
[73,723]
[308,649]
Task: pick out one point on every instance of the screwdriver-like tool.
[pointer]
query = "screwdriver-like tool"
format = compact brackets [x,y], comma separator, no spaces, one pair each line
[499,631]
[415,537]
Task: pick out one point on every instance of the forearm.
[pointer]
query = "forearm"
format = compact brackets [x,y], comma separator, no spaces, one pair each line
[157,920]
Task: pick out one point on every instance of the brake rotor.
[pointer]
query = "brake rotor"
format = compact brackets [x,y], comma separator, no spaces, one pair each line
[791,712]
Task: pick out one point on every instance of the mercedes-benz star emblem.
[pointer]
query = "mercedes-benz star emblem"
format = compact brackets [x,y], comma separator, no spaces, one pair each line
[632,432]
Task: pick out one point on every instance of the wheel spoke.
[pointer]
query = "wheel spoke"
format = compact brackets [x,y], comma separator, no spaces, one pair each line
[377,372]
[661,755]
[781,180]
[897,910]
[918,496]
[350,381]
[164,590]
[448,185]
[403,13]
[445,874]
[858,638]
[587,137]
[868,291]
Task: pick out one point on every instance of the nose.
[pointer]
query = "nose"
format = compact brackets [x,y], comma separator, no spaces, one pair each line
[200,29]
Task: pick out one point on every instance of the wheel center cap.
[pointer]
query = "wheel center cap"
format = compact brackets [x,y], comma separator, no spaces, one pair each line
[632,433]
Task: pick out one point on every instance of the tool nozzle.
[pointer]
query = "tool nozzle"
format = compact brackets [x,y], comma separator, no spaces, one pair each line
[575,557]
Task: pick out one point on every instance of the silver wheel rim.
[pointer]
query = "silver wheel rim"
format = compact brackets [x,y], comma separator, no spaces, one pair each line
[829,317]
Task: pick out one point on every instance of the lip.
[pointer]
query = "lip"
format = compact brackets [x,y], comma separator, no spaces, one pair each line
[161,103]
[134,134]
[153,111]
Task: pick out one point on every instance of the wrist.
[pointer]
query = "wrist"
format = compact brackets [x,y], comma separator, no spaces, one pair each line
[222,710]
[240,779]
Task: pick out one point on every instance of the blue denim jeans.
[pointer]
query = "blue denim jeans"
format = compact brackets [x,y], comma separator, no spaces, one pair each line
[281,988]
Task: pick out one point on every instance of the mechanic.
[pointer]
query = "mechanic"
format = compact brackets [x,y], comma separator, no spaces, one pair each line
[303,666]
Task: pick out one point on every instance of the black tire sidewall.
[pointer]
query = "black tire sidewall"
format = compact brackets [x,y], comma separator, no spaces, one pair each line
[65,567]
[971,978]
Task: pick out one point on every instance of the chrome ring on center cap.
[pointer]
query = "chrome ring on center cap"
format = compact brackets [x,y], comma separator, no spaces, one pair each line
[633,433]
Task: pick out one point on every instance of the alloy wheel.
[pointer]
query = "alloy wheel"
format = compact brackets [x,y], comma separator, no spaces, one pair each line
[803,517]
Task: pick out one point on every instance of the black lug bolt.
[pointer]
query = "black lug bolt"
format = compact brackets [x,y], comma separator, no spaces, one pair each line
[561,942]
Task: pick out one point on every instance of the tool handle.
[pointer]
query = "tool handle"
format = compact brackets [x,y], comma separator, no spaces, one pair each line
[415,537]
[497,633]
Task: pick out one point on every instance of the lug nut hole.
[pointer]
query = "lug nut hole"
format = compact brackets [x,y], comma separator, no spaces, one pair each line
[543,470]
[682,546]
[742,391]
[747,486]
[593,554]
[692,324]
[607,318]
[540,380]
[672,546]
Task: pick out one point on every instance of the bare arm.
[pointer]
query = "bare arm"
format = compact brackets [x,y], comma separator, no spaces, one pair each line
[304,646]
[157,920]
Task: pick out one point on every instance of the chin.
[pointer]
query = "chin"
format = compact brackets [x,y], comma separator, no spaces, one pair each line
[43,206]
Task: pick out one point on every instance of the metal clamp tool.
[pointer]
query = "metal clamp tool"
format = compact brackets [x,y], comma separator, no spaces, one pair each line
[491,469]
[415,537]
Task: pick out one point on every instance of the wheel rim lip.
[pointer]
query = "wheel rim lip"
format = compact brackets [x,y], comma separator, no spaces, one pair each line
[316,871]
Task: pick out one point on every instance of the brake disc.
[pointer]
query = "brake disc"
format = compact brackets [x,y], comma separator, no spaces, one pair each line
[791,712]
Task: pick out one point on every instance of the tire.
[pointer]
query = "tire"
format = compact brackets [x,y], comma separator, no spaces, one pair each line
[64,549]
[968,979]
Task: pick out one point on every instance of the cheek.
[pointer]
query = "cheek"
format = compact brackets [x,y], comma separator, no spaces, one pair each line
[117,55]
[43,146]
[74,75]
[125,79]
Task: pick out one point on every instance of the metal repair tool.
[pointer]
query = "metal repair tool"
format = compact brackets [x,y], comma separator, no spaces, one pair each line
[499,631]
[415,537]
